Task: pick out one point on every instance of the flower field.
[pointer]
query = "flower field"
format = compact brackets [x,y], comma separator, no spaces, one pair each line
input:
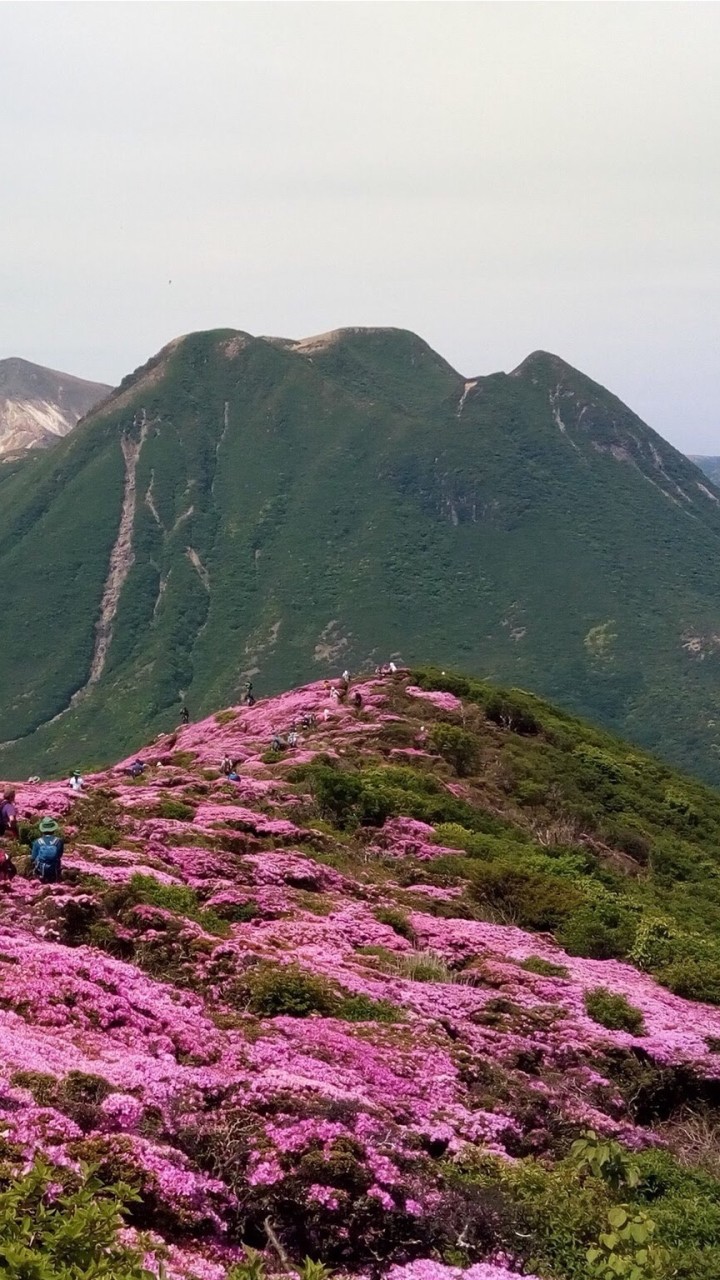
[305,1011]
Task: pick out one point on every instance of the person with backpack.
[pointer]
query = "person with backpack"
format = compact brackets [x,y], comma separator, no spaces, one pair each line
[9,816]
[185,715]
[47,851]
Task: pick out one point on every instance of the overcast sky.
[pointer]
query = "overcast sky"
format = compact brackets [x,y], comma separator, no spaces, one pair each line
[496,177]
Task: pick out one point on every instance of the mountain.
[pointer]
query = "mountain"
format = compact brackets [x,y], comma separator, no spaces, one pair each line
[361,1003]
[711,466]
[38,405]
[277,510]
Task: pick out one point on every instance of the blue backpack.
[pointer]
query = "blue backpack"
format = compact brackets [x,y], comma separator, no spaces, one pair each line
[47,851]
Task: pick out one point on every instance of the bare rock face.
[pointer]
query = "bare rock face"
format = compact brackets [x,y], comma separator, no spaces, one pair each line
[38,405]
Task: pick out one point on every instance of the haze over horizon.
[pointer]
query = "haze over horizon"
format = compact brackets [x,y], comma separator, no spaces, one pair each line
[497,178]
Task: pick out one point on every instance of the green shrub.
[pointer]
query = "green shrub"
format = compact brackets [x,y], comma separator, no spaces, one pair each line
[528,898]
[457,747]
[237,912]
[103,837]
[600,930]
[396,920]
[182,759]
[364,1009]
[612,1010]
[176,898]
[225,717]
[336,794]
[287,990]
[545,968]
[512,713]
[693,979]
[174,810]
[71,1234]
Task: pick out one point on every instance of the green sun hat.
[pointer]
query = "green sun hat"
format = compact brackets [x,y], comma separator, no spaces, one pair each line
[47,826]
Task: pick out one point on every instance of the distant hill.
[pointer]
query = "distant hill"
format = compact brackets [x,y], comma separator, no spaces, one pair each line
[272,509]
[38,405]
[711,466]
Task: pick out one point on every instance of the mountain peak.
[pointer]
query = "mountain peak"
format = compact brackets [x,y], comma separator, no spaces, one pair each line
[37,404]
[541,363]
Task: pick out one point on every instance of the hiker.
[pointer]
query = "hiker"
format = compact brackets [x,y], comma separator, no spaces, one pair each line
[7,871]
[248,697]
[357,699]
[292,739]
[346,676]
[227,766]
[75,780]
[326,714]
[392,668]
[8,816]
[135,769]
[184,715]
[278,743]
[47,851]
[308,721]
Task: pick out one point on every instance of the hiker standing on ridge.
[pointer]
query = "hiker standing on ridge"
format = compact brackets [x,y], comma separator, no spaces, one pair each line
[8,816]
[47,851]
[184,715]
[75,780]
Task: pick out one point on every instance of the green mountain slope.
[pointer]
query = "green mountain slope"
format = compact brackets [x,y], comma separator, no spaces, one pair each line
[248,506]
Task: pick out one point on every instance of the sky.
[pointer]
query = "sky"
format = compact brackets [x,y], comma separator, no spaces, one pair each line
[496,177]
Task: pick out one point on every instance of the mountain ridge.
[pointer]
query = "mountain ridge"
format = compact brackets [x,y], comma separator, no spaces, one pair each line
[288,510]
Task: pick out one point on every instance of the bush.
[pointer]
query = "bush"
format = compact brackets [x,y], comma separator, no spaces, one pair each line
[174,810]
[511,713]
[600,930]
[336,794]
[396,920]
[545,968]
[363,1009]
[457,747]
[69,1233]
[612,1010]
[531,899]
[693,979]
[274,991]
[178,899]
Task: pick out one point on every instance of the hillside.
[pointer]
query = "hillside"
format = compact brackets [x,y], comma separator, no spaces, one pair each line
[254,507]
[359,1004]
[711,466]
[39,405]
